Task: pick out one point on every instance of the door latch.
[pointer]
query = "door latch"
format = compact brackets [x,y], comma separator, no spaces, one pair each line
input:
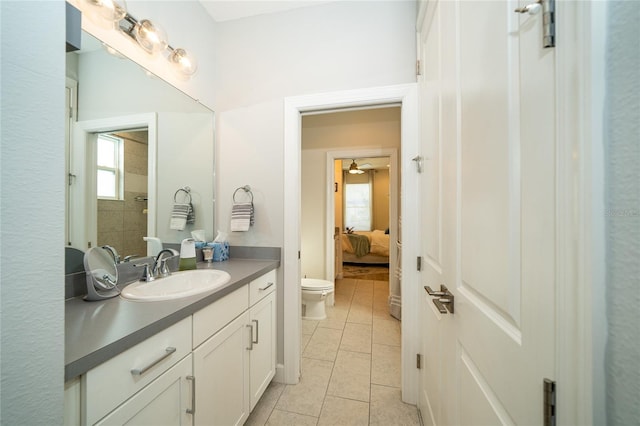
[443,299]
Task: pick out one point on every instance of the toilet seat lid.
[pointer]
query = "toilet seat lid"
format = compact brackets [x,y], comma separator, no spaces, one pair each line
[316,284]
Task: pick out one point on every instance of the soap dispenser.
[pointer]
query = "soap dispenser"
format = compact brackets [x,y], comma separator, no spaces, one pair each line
[187,254]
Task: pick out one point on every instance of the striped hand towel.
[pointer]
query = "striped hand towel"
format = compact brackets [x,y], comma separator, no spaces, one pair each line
[241,216]
[191,215]
[179,216]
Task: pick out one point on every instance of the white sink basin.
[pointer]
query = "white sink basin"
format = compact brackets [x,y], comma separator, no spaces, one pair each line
[176,286]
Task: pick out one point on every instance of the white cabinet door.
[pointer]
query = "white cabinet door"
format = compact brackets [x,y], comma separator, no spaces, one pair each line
[221,367]
[165,401]
[263,353]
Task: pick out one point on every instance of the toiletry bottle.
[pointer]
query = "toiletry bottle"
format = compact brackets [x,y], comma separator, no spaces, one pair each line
[187,254]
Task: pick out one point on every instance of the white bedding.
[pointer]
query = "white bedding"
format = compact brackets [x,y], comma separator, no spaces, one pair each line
[378,242]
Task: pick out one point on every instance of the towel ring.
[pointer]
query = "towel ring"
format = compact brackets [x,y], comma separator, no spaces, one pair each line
[186,190]
[246,189]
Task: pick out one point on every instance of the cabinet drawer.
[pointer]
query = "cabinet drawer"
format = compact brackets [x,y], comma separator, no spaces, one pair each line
[207,321]
[262,286]
[114,381]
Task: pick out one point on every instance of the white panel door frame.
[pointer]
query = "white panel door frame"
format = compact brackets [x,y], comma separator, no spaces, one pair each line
[293,108]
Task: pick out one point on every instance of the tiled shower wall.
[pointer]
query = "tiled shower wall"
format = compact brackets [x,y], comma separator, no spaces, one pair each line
[123,223]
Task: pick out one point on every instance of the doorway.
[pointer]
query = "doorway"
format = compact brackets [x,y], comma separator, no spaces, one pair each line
[406,96]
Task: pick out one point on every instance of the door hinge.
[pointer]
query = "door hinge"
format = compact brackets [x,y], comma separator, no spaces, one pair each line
[549,402]
[418,361]
[549,23]
[419,263]
[418,69]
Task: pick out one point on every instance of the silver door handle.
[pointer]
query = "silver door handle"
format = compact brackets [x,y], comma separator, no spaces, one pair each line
[141,371]
[257,331]
[192,410]
[250,326]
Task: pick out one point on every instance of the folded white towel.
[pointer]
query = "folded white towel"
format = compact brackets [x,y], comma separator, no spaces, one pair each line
[241,216]
[179,216]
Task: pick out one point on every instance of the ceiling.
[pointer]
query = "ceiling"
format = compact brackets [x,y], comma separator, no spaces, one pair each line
[227,10]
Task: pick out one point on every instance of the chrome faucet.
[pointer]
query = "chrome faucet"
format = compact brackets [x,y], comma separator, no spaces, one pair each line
[114,253]
[160,267]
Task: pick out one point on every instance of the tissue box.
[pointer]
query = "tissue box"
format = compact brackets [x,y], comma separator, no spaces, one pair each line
[220,251]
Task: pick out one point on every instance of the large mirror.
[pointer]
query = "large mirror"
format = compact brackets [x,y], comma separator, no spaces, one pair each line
[134,144]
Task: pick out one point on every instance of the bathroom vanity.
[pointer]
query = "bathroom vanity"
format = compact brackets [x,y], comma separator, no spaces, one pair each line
[205,359]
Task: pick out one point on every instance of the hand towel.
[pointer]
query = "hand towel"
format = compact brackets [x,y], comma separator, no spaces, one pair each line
[191,215]
[241,214]
[179,216]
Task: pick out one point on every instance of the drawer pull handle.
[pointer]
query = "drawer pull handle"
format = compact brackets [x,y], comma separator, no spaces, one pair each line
[257,332]
[141,371]
[192,410]
[265,287]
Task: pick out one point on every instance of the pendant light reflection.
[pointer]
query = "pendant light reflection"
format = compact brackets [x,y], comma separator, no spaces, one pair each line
[150,37]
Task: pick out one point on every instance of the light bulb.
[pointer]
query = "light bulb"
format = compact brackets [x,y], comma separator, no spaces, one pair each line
[150,37]
[105,11]
[183,62]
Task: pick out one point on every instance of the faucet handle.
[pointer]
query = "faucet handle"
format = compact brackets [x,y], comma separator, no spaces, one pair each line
[146,274]
[164,268]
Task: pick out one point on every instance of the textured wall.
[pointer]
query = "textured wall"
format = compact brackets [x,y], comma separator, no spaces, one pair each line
[622,188]
[32,221]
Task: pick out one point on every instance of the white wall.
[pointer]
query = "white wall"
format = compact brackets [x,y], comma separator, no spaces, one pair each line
[321,133]
[622,213]
[32,221]
[185,158]
[262,60]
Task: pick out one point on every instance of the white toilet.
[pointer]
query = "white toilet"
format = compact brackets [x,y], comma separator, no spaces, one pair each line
[314,294]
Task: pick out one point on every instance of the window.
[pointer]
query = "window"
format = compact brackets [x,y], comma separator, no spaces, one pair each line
[357,206]
[110,159]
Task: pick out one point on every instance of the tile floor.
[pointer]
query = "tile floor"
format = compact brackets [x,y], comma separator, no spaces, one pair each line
[350,373]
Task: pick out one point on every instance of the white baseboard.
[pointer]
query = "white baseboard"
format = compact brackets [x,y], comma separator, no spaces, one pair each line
[279,377]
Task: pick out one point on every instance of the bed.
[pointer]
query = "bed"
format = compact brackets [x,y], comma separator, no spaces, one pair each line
[371,247]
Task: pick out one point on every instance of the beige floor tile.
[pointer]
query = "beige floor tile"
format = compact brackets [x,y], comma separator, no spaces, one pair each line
[309,326]
[388,409]
[306,397]
[351,377]
[338,312]
[387,332]
[356,338]
[264,407]
[324,344]
[362,299]
[335,323]
[360,314]
[382,313]
[345,286]
[385,365]
[284,418]
[343,412]
[304,341]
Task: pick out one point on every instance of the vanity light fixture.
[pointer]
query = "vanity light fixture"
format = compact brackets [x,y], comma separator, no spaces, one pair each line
[353,168]
[153,40]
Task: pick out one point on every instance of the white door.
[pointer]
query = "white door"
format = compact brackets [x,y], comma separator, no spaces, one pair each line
[488,213]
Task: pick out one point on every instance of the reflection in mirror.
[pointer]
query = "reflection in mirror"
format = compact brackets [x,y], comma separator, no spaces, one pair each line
[132,141]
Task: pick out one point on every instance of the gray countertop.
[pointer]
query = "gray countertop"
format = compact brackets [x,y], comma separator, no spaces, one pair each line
[97,331]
